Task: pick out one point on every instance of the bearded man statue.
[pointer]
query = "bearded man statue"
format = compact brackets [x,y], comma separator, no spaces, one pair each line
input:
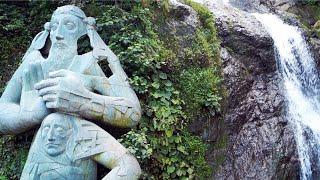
[54,78]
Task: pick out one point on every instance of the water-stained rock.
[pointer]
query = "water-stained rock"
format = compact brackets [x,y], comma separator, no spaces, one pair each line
[261,143]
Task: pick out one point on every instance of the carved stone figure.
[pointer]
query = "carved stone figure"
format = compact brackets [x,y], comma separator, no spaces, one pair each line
[54,78]
[66,81]
[68,147]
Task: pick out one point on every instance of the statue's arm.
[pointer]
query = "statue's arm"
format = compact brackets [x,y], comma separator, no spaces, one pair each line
[12,92]
[112,100]
[91,97]
[121,109]
[13,118]
[9,104]
[123,165]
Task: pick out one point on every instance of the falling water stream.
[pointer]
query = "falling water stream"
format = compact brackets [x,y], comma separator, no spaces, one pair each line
[301,83]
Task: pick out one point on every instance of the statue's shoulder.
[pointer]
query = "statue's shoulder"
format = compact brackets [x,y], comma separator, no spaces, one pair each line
[33,55]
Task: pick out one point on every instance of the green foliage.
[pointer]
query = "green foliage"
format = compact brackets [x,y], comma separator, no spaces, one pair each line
[161,142]
[316,28]
[206,37]
[13,153]
[3,178]
[203,86]
[312,2]
[201,80]
[137,143]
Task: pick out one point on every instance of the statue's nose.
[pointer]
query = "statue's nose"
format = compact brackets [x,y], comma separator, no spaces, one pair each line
[59,37]
[50,135]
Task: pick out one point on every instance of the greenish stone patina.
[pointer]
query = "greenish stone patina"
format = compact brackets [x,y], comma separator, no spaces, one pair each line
[65,93]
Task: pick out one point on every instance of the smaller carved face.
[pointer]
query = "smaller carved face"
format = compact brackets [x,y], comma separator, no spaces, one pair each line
[55,133]
[66,29]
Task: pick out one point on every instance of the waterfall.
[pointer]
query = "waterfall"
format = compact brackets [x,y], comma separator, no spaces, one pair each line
[301,88]
[225,2]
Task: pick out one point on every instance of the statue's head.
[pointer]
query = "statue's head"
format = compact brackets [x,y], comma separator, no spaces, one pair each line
[68,23]
[67,26]
[56,130]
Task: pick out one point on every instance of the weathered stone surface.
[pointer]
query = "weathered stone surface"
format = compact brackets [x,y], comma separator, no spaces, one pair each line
[260,141]
[181,23]
[263,5]
[238,31]
[315,44]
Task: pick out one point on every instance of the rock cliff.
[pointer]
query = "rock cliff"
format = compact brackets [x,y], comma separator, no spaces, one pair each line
[261,144]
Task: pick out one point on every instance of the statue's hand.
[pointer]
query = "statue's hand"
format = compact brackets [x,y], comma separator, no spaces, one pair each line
[32,75]
[32,105]
[64,91]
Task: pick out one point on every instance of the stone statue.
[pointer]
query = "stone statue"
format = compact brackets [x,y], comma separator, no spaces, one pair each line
[53,78]
[68,147]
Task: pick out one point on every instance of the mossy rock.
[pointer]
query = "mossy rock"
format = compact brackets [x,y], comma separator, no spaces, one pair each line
[316,28]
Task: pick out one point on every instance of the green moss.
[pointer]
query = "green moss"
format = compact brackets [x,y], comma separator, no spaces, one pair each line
[200,89]
[208,30]
[200,79]
[316,28]
[222,142]
[307,13]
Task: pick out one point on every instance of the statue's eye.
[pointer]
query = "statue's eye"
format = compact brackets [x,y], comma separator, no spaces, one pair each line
[70,25]
[54,26]
[46,128]
[60,131]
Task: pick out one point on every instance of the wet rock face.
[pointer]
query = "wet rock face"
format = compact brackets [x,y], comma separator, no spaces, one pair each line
[182,21]
[294,12]
[315,45]
[261,143]
[260,140]
[263,5]
[241,32]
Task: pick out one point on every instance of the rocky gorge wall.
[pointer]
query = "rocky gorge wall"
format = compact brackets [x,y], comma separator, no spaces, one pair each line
[261,141]
[261,144]
[255,140]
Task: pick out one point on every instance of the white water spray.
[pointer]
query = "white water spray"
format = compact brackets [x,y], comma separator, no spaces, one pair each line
[300,79]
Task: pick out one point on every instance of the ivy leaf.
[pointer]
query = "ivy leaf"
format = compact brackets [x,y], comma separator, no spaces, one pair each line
[155,85]
[179,172]
[169,132]
[168,83]
[170,169]
[163,75]
[190,170]
[182,149]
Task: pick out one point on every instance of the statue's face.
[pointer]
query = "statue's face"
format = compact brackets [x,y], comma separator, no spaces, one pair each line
[66,29]
[55,133]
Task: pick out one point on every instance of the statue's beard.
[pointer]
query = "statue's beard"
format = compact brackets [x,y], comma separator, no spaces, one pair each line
[60,57]
[62,51]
